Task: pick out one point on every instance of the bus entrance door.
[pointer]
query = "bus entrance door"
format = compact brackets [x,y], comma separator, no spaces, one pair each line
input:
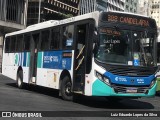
[79,63]
[33,58]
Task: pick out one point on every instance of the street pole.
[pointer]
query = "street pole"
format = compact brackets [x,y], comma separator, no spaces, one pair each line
[39,16]
[25,13]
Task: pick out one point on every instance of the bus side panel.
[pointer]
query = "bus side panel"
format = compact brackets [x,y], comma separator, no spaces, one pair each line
[25,74]
[9,67]
[91,79]
[23,60]
[50,66]
[41,77]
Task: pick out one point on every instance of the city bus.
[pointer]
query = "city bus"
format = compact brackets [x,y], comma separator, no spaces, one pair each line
[95,54]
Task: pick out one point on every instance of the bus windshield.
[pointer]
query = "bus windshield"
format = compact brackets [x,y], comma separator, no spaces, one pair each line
[126,47]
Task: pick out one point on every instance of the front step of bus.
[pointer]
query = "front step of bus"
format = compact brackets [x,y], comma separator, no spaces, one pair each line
[78,85]
[33,80]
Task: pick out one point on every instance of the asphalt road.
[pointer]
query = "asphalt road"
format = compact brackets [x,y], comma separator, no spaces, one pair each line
[36,98]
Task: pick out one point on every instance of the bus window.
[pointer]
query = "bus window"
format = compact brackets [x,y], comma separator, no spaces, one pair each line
[13,44]
[55,39]
[7,45]
[45,40]
[67,39]
[19,43]
[26,42]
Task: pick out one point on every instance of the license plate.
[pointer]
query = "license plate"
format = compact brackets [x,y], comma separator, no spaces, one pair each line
[131,90]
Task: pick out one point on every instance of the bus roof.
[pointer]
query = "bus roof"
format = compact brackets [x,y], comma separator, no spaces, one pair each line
[52,23]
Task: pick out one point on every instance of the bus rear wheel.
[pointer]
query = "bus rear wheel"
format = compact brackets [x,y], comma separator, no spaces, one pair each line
[20,83]
[66,89]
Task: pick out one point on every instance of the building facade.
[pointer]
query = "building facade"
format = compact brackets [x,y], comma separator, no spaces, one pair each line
[43,10]
[12,12]
[155,12]
[145,7]
[87,6]
[131,6]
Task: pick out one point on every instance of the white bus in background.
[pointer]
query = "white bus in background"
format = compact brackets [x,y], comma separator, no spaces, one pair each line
[96,54]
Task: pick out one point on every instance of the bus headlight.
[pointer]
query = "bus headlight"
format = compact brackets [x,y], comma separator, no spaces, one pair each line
[99,76]
[102,78]
[152,83]
[106,80]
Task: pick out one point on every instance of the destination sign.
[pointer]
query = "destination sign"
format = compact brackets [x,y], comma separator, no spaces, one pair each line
[128,19]
[110,31]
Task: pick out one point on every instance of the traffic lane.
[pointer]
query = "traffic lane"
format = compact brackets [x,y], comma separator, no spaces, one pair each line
[43,99]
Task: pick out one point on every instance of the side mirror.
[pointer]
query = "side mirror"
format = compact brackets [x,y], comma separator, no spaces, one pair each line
[95,38]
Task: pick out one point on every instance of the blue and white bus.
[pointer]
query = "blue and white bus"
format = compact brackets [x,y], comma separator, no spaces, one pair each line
[96,54]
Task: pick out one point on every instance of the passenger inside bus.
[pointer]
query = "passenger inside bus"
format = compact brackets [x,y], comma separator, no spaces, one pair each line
[69,40]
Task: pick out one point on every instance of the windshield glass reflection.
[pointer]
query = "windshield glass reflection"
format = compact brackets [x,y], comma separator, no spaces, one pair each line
[126,47]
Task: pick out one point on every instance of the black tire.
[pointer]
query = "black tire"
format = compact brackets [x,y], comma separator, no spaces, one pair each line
[20,83]
[66,89]
[76,97]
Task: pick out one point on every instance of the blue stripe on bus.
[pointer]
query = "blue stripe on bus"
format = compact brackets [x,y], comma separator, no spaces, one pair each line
[55,60]
[126,80]
[24,59]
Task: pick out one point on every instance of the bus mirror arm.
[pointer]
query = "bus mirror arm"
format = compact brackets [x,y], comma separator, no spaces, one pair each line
[96,40]
[95,37]
[158,68]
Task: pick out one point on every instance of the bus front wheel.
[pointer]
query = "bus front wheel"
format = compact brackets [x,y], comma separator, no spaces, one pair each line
[20,79]
[66,89]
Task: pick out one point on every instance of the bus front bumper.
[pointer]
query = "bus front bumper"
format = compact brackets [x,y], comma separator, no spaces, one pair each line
[99,88]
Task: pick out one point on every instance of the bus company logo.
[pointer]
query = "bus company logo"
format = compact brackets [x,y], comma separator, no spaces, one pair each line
[121,79]
[48,59]
[116,78]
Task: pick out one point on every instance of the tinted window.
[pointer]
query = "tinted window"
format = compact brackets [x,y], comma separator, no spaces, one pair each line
[13,44]
[19,43]
[7,44]
[45,40]
[26,42]
[55,39]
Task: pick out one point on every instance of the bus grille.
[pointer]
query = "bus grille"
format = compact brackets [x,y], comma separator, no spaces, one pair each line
[131,71]
[122,89]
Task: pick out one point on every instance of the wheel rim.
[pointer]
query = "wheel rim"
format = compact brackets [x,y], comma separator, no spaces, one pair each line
[68,89]
[19,81]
